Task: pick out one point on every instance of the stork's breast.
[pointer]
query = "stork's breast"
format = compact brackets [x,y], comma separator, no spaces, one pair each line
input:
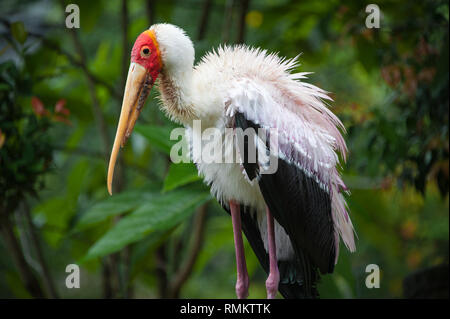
[219,167]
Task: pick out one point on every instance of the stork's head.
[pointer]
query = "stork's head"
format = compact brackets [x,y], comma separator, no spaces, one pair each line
[162,48]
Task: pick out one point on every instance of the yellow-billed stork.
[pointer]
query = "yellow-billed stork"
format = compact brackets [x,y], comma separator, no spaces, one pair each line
[294,217]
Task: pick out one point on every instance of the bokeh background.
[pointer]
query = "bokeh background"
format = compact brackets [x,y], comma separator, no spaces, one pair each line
[161,234]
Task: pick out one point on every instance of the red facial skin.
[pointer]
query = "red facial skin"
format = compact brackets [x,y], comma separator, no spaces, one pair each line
[151,62]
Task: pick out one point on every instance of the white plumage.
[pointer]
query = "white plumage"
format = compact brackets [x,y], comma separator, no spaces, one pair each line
[260,86]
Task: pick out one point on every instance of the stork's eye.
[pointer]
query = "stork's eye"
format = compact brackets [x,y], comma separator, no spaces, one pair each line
[145,52]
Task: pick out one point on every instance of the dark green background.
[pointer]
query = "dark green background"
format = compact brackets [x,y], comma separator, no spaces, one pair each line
[389,85]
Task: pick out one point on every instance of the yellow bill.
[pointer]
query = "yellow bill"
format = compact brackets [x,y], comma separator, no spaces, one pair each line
[137,88]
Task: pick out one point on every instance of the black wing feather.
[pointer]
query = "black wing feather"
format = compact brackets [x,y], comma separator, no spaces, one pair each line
[292,273]
[303,209]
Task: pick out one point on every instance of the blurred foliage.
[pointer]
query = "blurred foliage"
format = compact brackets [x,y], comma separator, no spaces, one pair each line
[390,87]
[25,148]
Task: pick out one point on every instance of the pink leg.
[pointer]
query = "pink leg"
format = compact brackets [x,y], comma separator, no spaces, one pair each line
[242,275]
[274,275]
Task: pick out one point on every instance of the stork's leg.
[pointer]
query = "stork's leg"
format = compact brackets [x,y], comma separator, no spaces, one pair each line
[242,275]
[274,275]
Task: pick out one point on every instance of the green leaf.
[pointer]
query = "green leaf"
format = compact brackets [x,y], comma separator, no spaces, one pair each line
[115,205]
[76,179]
[18,31]
[57,212]
[179,175]
[161,213]
[158,136]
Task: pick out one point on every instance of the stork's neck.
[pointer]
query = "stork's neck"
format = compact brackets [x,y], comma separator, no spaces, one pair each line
[175,87]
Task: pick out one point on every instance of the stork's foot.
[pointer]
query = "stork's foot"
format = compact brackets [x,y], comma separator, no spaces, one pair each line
[242,287]
[272,284]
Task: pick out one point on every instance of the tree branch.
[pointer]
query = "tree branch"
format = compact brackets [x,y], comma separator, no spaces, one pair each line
[73,60]
[110,269]
[161,270]
[204,19]
[28,278]
[106,282]
[186,269]
[125,46]
[124,258]
[150,10]
[98,114]
[36,243]
[244,8]
[228,19]
[80,64]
